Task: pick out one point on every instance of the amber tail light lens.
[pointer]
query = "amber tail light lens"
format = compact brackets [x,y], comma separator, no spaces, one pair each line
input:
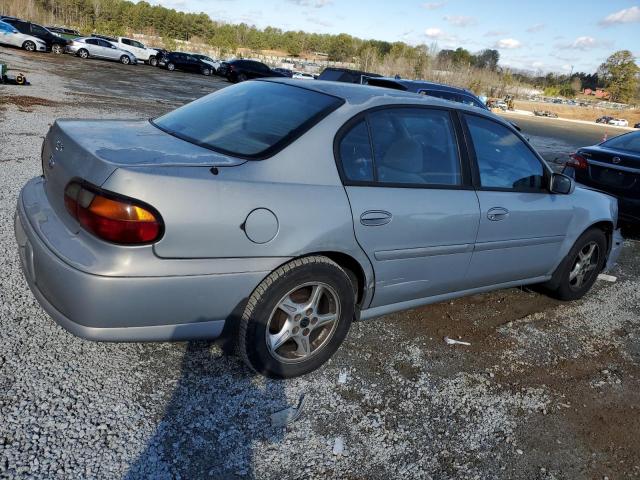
[112,217]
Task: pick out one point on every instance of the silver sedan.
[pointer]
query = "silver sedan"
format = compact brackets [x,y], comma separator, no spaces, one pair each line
[278,212]
[86,47]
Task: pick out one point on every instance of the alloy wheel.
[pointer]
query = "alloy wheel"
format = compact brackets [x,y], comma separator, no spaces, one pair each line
[584,265]
[302,322]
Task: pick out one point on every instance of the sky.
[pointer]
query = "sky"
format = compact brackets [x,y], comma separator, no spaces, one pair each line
[536,35]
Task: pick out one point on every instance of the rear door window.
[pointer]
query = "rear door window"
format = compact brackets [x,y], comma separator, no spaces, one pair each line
[356,155]
[249,120]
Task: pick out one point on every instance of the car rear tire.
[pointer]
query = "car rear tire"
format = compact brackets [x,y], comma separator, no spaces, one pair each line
[29,46]
[82,53]
[57,49]
[579,270]
[296,318]
[242,78]
[171,67]
[153,61]
[125,60]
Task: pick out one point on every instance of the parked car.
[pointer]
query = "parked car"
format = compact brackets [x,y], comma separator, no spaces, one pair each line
[240,70]
[619,122]
[64,32]
[345,75]
[545,113]
[603,119]
[9,35]
[86,47]
[303,76]
[430,89]
[214,64]
[281,226]
[142,53]
[186,62]
[612,166]
[637,125]
[284,71]
[53,42]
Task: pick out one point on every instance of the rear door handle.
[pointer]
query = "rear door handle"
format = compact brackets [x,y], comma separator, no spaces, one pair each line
[497,213]
[373,218]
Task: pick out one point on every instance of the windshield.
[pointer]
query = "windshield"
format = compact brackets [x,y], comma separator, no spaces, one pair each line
[628,141]
[253,119]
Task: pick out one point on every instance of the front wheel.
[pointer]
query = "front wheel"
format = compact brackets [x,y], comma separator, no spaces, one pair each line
[579,270]
[153,61]
[171,67]
[29,46]
[206,72]
[297,318]
[82,53]
[242,77]
[125,60]
[57,49]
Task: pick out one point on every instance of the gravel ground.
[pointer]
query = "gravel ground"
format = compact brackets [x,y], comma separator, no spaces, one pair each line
[546,390]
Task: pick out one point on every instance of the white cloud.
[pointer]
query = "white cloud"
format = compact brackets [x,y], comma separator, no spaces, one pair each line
[433,5]
[627,15]
[495,33]
[536,28]
[537,65]
[312,3]
[459,20]
[434,33]
[584,43]
[508,43]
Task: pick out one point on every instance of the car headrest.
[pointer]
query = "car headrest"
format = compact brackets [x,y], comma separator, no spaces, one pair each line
[404,154]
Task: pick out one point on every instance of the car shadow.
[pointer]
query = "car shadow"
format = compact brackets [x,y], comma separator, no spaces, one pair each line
[217,411]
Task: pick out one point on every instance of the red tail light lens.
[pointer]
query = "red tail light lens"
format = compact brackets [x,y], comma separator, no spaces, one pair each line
[112,217]
[577,161]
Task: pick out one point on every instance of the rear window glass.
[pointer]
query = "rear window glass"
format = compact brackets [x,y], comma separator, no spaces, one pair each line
[253,119]
[629,142]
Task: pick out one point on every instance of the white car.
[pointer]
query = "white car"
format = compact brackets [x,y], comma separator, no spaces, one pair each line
[619,122]
[142,53]
[10,36]
[303,76]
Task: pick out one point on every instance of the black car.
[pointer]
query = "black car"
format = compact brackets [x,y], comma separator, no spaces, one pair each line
[284,71]
[55,43]
[439,90]
[613,167]
[186,62]
[345,75]
[240,70]
[637,125]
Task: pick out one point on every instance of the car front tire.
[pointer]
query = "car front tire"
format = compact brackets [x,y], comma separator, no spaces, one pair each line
[171,67]
[57,49]
[153,61]
[296,319]
[82,53]
[206,72]
[29,46]
[579,270]
[125,60]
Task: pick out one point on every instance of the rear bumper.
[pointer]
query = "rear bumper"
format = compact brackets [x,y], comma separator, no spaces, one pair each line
[109,308]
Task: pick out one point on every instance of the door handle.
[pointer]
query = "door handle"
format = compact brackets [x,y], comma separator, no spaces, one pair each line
[373,218]
[497,213]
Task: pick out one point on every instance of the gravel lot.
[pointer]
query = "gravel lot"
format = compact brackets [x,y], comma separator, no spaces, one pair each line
[546,390]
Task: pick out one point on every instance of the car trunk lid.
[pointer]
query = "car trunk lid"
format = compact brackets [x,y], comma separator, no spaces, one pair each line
[612,170]
[91,150]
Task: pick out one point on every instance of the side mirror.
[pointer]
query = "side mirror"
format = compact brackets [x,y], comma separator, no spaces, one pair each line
[562,184]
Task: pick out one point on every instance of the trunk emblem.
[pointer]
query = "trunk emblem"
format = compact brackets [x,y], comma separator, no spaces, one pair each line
[59,146]
[616,160]
[51,161]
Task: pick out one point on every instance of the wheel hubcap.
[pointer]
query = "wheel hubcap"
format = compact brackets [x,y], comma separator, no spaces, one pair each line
[302,322]
[584,265]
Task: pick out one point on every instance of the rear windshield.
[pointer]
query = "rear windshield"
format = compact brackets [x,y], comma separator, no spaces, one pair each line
[628,141]
[253,119]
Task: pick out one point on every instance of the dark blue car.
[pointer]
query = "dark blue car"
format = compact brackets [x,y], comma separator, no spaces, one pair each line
[431,89]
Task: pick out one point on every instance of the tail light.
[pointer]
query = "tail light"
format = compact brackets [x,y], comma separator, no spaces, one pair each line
[112,217]
[577,161]
[231,68]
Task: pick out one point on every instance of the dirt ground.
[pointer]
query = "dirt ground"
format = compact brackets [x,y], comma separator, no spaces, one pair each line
[576,112]
[546,390]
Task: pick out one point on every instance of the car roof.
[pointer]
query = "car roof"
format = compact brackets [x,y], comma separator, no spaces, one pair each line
[424,84]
